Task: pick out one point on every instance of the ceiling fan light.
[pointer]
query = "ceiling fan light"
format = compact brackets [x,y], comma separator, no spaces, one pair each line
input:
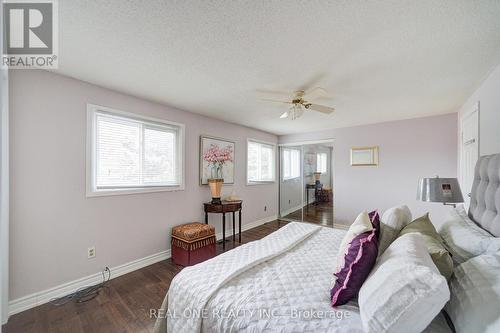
[295,111]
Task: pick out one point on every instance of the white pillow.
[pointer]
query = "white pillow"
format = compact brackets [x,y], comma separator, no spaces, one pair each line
[491,245]
[391,223]
[475,295]
[404,291]
[360,225]
[464,238]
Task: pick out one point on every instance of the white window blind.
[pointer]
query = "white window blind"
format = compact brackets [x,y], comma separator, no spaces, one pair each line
[130,153]
[260,162]
[321,162]
[159,156]
[291,163]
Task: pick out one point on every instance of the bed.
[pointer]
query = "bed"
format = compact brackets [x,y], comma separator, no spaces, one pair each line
[268,285]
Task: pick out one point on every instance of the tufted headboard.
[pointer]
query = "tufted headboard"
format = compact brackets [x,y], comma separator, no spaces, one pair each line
[484,206]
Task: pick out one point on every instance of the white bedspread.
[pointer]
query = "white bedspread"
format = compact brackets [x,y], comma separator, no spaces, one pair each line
[194,286]
[278,284]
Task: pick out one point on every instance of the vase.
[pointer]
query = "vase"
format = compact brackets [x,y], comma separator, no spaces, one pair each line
[216,172]
[317,176]
[215,185]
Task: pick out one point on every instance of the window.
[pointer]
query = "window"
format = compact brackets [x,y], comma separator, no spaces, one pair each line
[291,163]
[260,162]
[321,162]
[128,153]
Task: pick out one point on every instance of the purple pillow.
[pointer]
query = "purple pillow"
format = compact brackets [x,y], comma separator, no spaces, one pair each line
[359,260]
[375,220]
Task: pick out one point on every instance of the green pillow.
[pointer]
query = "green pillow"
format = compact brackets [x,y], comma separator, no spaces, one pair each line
[440,256]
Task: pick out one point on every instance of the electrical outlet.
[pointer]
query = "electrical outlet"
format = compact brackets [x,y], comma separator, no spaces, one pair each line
[265,208]
[91,252]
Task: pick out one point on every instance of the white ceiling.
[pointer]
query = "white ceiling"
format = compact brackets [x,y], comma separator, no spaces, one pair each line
[379,60]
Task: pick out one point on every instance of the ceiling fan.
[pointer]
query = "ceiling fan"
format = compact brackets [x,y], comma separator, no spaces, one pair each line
[301,101]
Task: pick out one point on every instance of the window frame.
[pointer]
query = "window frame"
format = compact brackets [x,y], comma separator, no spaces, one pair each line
[286,179]
[91,167]
[262,182]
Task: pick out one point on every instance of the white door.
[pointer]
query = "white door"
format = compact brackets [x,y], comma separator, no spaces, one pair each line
[469,150]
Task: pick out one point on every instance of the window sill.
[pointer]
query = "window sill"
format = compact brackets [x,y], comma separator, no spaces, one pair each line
[251,183]
[291,179]
[128,191]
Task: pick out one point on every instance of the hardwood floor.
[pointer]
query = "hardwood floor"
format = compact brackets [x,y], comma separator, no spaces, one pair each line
[321,213]
[124,305]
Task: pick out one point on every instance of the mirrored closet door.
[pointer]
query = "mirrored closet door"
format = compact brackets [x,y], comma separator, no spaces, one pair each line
[306,183]
[291,182]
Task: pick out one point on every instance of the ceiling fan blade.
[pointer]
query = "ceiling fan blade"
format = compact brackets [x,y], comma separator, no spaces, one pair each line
[268,93]
[275,101]
[315,93]
[320,108]
[284,115]
[313,81]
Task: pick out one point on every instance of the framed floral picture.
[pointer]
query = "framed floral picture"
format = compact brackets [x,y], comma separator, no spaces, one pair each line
[216,159]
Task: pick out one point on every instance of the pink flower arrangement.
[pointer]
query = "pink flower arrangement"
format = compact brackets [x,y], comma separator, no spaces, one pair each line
[217,157]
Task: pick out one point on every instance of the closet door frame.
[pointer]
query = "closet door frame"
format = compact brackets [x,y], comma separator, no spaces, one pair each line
[280,172]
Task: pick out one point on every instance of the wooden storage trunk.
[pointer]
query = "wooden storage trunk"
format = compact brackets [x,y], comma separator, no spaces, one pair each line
[193,243]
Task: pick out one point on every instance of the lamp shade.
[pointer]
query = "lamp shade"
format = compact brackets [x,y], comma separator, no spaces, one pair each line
[439,190]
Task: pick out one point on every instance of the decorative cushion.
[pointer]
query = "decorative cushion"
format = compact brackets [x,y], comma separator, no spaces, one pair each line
[439,255]
[358,260]
[404,291]
[191,232]
[375,220]
[475,295]
[360,225]
[393,220]
[463,237]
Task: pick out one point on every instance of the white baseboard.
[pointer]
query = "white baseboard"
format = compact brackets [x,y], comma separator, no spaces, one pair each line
[45,296]
[293,209]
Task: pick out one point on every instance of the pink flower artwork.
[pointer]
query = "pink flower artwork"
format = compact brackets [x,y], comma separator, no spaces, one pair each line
[217,157]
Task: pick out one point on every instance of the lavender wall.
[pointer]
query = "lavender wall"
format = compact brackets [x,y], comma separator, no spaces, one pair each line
[409,150]
[488,95]
[53,223]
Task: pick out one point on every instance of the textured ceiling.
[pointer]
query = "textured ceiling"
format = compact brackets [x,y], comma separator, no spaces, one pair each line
[379,60]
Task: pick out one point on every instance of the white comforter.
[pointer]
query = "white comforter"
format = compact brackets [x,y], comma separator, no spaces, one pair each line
[280,283]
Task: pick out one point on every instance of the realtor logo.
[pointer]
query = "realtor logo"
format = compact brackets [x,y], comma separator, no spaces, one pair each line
[30,34]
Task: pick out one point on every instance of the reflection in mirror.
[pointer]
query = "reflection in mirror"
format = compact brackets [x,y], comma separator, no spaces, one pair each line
[318,192]
[306,183]
[291,183]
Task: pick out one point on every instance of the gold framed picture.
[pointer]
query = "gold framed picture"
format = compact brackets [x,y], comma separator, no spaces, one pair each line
[216,159]
[364,156]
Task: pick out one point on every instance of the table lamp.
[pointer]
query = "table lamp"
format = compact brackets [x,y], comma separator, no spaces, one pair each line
[445,190]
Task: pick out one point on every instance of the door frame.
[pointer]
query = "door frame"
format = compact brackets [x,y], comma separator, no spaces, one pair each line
[4,187]
[301,144]
[476,107]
